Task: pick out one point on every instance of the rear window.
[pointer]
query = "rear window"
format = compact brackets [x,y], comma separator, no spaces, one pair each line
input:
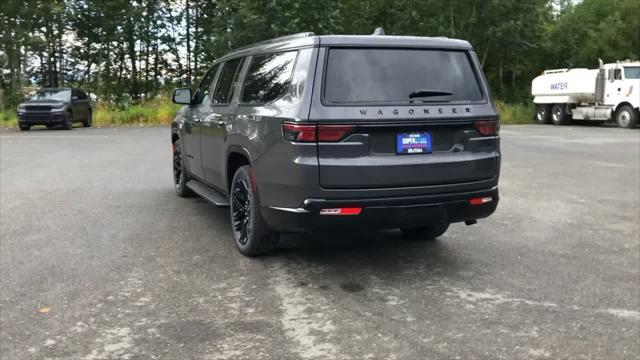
[392,75]
[268,77]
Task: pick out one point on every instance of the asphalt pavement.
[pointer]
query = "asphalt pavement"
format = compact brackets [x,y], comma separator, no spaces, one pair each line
[99,259]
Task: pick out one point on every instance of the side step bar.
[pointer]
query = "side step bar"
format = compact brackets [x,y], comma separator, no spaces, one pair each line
[207,193]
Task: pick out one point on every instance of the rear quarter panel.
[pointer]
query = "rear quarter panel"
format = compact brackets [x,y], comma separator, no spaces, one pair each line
[257,130]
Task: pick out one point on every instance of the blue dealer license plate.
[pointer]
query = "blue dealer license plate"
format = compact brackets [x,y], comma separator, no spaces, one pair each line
[413,143]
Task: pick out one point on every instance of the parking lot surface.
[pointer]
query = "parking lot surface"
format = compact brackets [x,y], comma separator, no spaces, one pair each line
[100,259]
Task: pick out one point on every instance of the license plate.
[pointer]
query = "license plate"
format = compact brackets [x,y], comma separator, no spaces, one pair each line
[413,143]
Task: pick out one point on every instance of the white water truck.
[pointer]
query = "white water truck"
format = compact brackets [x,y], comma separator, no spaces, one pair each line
[611,92]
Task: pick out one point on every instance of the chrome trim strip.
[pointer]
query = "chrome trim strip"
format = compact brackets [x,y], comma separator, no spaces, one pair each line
[297,210]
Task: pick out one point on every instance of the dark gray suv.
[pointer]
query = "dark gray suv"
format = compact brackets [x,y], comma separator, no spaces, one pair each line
[308,132]
[56,106]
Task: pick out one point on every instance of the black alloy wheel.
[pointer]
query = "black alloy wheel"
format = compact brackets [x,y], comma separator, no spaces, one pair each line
[241,211]
[251,234]
[180,173]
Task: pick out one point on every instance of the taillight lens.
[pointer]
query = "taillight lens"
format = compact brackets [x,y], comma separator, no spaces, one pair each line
[333,133]
[487,128]
[299,133]
[311,133]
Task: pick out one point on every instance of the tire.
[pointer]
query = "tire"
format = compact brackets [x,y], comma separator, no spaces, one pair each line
[88,122]
[542,112]
[425,233]
[67,124]
[180,173]
[250,233]
[559,114]
[24,127]
[627,117]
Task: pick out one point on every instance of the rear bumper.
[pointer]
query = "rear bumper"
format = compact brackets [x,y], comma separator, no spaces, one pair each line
[382,213]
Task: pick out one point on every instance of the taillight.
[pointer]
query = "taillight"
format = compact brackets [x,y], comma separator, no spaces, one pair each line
[311,133]
[487,128]
[299,133]
[333,133]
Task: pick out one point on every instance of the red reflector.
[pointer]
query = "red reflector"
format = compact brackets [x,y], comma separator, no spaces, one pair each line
[299,133]
[486,128]
[341,211]
[480,200]
[333,132]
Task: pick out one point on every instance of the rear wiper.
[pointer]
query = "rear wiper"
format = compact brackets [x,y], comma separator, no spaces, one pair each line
[428,93]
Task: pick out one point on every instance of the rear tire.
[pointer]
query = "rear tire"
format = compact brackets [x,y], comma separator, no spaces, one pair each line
[541,115]
[88,122]
[24,127]
[559,114]
[425,233]
[251,234]
[626,117]
[180,173]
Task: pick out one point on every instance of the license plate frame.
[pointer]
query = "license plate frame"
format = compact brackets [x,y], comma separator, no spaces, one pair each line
[413,143]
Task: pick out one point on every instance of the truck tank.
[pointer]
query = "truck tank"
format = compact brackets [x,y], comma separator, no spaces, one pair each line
[565,86]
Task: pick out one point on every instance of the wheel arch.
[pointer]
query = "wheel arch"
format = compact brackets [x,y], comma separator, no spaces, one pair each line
[237,156]
[621,104]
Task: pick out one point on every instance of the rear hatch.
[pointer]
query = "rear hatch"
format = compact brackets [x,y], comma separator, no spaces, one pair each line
[398,117]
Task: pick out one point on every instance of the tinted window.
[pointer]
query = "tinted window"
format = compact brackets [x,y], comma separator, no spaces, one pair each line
[205,86]
[390,75]
[82,95]
[268,77]
[226,82]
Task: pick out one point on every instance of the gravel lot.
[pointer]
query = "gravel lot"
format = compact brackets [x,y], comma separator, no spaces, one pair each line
[100,259]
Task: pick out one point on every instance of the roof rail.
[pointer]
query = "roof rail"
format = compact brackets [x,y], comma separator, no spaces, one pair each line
[278,39]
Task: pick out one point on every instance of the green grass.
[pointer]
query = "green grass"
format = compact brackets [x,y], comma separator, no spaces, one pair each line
[515,113]
[160,111]
[8,119]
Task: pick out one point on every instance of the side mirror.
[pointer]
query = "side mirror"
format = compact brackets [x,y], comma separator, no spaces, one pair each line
[182,96]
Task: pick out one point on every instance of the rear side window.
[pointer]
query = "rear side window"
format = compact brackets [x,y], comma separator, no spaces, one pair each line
[392,75]
[268,77]
[226,82]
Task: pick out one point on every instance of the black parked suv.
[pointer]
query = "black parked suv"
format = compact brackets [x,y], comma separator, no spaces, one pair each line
[55,106]
[308,132]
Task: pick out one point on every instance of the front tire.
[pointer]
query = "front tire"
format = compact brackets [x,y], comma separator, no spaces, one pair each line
[559,114]
[251,234]
[67,124]
[626,117]
[24,127]
[180,173]
[542,114]
[425,233]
